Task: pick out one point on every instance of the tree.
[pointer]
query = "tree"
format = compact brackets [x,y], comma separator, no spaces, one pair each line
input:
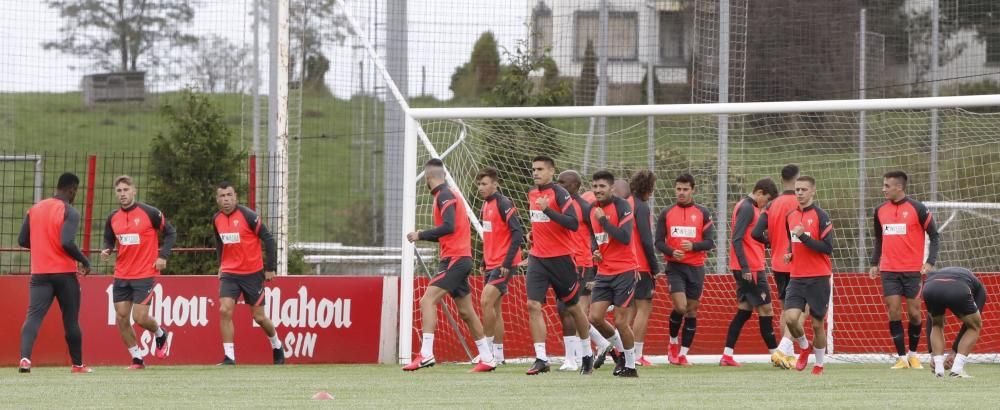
[220,65]
[586,89]
[116,33]
[477,76]
[187,161]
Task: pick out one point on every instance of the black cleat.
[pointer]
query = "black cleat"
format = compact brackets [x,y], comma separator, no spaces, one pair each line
[587,366]
[540,366]
[602,356]
[628,372]
[226,361]
[279,356]
[619,359]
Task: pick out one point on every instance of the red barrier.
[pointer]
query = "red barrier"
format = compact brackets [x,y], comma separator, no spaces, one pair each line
[88,210]
[860,320]
[252,183]
[319,320]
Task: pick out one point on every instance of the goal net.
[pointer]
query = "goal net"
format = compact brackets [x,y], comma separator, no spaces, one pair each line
[824,142]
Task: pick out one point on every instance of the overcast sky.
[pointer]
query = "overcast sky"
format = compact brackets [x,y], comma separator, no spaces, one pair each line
[441,34]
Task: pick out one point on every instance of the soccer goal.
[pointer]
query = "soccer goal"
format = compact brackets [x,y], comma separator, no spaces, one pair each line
[845,144]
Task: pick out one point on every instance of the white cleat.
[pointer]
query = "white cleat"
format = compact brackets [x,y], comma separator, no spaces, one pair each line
[962,375]
[569,366]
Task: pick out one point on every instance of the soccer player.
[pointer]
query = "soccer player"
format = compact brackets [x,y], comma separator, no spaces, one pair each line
[452,233]
[502,237]
[135,229]
[239,233]
[770,229]
[637,191]
[550,261]
[810,235]
[611,218]
[898,255]
[49,230]
[958,290]
[746,261]
[684,234]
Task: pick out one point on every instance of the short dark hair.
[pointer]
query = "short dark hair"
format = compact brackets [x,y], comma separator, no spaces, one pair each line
[434,162]
[68,180]
[604,175]
[642,184]
[808,179]
[897,175]
[789,172]
[224,185]
[488,172]
[767,185]
[685,178]
[546,159]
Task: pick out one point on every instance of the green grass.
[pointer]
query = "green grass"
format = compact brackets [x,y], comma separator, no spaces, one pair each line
[354,386]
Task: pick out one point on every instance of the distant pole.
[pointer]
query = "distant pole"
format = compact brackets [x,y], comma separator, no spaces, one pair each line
[862,134]
[721,254]
[256,92]
[935,90]
[602,84]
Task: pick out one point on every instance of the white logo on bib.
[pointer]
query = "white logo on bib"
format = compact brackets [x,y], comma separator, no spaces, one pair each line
[683,232]
[539,216]
[230,238]
[795,239]
[894,229]
[601,238]
[126,239]
[487,226]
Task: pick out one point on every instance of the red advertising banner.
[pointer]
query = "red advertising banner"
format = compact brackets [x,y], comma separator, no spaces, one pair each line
[319,320]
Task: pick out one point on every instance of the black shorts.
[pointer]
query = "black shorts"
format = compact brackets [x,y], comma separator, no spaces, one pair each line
[250,286]
[781,280]
[686,278]
[559,273]
[453,276]
[905,284]
[493,278]
[137,291]
[941,295]
[645,286]
[756,293]
[617,289]
[812,291]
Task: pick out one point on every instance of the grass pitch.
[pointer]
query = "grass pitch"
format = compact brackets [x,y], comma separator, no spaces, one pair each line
[370,386]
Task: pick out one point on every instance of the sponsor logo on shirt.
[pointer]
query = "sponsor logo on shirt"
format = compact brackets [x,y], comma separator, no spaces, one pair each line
[601,238]
[683,232]
[487,226]
[795,239]
[539,216]
[230,238]
[126,239]
[894,229]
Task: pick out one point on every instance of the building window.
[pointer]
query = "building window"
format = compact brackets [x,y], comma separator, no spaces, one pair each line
[993,48]
[541,29]
[622,34]
[672,38]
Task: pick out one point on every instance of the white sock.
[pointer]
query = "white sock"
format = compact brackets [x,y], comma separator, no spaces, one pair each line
[489,339]
[540,352]
[638,348]
[498,352]
[819,355]
[159,331]
[803,342]
[771,351]
[599,339]
[727,351]
[134,351]
[485,352]
[630,358]
[959,364]
[570,344]
[911,354]
[616,340]
[939,364]
[674,340]
[585,348]
[427,347]
[230,350]
[787,347]
[684,350]
[275,342]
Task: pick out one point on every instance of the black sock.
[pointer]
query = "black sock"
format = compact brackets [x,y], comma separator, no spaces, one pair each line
[767,331]
[736,326]
[675,323]
[690,325]
[896,330]
[914,336]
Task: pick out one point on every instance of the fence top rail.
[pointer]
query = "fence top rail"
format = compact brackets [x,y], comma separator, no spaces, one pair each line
[921,103]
